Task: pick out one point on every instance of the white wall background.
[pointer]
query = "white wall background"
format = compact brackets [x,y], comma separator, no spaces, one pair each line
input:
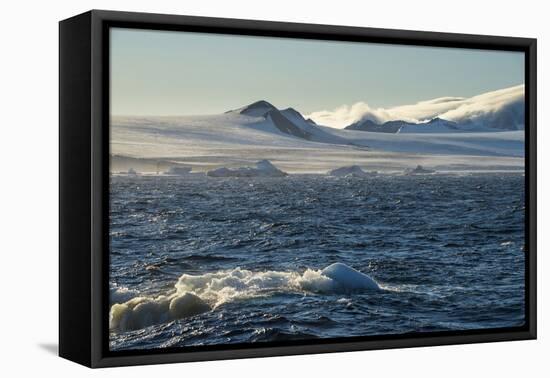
[29,189]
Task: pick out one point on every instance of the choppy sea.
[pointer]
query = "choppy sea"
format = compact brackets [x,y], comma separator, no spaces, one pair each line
[196,260]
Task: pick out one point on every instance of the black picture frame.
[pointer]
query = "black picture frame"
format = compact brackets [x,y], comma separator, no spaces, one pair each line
[84,179]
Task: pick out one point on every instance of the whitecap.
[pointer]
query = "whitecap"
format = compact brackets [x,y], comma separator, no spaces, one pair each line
[121,294]
[196,294]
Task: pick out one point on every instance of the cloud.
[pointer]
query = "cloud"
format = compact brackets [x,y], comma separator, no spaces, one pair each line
[477,108]
[345,115]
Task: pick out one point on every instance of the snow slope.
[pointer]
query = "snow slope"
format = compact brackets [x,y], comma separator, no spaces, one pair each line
[288,121]
[509,143]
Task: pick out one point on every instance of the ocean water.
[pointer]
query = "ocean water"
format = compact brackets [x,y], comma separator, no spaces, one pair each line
[202,261]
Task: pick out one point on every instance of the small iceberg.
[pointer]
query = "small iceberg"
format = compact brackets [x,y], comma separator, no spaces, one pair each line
[178,171]
[348,278]
[419,170]
[351,171]
[132,172]
[263,168]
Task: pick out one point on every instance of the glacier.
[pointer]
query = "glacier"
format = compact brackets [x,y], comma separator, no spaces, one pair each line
[231,143]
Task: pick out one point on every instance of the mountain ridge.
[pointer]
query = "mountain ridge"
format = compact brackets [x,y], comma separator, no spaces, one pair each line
[288,121]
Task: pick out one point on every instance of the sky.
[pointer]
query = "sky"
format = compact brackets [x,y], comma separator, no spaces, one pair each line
[167,73]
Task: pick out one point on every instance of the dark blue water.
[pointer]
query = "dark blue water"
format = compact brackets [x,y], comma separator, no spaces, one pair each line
[447,251]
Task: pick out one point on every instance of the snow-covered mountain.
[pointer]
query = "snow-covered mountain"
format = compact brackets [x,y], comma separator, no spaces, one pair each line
[256,109]
[436,125]
[287,121]
[370,125]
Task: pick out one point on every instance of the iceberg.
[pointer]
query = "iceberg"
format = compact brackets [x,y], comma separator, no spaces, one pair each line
[351,171]
[419,170]
[349,278]
[263,168]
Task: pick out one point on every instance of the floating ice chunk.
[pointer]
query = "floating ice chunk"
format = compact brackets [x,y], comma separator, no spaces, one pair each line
[348,278]
[267,167]
[351,171]
[263,168]
[419,170]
